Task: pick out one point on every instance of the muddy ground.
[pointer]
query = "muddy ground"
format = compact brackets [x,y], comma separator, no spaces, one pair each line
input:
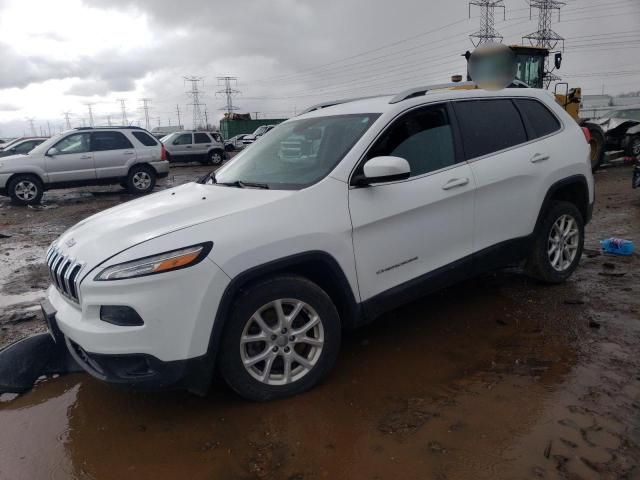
[497,378]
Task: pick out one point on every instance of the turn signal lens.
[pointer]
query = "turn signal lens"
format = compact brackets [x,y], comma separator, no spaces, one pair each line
[587,134]
[164,262]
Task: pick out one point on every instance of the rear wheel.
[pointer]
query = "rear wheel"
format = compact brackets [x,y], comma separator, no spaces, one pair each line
[597,145]
[141,179]
[25,190]
[558,244]
[215,157]
[282,339]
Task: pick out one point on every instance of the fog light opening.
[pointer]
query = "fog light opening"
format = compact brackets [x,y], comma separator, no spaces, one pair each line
[120,315]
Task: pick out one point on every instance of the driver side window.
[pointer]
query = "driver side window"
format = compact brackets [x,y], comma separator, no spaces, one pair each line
[423,137]
[76,143]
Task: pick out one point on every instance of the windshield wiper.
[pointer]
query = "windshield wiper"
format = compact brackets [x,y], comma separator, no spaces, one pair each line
[207,177]
[241,184]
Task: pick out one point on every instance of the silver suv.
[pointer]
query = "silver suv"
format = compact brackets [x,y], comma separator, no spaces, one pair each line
[128,156]
[204,147]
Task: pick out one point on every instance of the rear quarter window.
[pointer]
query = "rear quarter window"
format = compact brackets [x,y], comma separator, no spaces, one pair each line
[488,126]
[541,121]
[145,139]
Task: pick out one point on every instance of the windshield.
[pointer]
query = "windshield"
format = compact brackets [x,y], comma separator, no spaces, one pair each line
[44,146]
[167,137]
[299,153]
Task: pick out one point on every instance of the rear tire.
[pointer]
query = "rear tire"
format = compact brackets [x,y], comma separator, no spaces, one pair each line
[216,157]
[597,145]
[558,244]
[297,335]
[25,190]
[141,179]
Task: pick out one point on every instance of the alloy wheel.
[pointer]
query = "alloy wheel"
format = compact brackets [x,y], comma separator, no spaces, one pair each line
[141,180]
[26,190]
[563,244]
[282,342]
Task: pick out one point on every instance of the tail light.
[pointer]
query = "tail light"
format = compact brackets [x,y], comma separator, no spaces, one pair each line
[587,134]
[163,154]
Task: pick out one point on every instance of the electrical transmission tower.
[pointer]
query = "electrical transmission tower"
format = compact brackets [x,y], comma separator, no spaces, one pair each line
[229,92]
[194,93]
[487,32]
[67,119]
[90,107]
[145,107]
[123,107]
[179,120]
[32,126]
[545,37]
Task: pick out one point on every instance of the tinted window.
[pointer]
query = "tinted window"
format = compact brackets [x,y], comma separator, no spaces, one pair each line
[422,137]
[184,139]
[217,137]
[76,143]
[145,139]
[489,126]
[201,138]
[25,147]
[102,141]
[541,120]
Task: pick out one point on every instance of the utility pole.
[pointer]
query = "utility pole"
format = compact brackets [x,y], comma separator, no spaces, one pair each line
[145,107]
[123,108]
[206,118]
[48,127]
[32,126]
[178,111]
[487,32]
[194,93]
[545,37]
[228,92]
[67,116]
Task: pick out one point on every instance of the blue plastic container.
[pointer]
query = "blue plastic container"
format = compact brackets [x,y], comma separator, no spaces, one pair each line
[617,246]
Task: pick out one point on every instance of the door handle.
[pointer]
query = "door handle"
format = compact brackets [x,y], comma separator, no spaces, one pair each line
[455,182]
[85,157]
[188,146]
[539,157]
[128,153]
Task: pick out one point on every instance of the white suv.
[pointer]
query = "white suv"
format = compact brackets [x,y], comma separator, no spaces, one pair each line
[256,270]
[128,156]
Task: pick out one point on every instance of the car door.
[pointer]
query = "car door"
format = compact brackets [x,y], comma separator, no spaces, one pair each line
[182,146]
[411,230]
[509,170]
[113,153]
[72,159]
[201,144]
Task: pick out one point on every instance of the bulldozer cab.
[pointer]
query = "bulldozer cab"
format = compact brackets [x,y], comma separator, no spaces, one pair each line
[530,64]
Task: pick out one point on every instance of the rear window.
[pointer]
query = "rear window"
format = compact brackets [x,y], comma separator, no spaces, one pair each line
[201,138]
[145,139]
[489,126]
[104,141]
[541,121]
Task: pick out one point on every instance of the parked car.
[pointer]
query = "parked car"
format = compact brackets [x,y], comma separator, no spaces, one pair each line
[204,147]
[259,132]
[635,183]
[237,143]
[128,156]
[275,255]
[21,146]
[622,130]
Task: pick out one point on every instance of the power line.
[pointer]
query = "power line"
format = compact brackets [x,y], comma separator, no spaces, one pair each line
[145,107]
[123,108]
[67,116]
[194,93]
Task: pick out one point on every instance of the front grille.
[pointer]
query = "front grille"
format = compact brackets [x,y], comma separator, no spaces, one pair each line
[64,272]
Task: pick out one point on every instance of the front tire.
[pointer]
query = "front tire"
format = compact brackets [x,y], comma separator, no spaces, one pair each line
[215,157]
[282,339]
[25,190]
[558,244]
[141,179]
[632,148]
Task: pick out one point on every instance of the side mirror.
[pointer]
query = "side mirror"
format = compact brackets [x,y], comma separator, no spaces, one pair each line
[52,152]
[558,60]
[383,169]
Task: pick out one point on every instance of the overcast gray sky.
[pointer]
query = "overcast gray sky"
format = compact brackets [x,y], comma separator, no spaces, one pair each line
[60,56]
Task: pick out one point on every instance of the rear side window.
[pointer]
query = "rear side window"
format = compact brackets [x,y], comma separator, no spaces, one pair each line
[422,137]
[201,138]
[489,126]
[145,139]
[184,139]
[101,141]
[541,121]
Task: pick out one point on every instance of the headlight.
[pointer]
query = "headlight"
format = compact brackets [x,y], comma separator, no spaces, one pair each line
[163,262]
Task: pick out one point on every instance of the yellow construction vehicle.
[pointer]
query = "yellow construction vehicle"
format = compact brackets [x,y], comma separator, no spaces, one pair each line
[530,71]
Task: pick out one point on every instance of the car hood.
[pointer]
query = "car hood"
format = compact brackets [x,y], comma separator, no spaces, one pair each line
[108,233]
[609,123]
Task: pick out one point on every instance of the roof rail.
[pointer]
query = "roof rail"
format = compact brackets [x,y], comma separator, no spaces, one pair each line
[332,103]
[119,127]
[420,91]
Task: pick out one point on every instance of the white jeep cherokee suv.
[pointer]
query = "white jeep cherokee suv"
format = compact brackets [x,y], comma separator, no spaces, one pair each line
[128,156]
[255,270]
